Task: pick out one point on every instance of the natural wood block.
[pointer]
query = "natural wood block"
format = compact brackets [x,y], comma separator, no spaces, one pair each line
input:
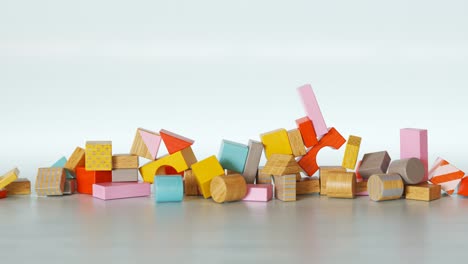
[253,160]
[98,155]
[341,185]
[175,142]
[361,188]
[276,142]
[125,175]
[228,188]
[8,177]
[258,193]
[168,188]
[121,190]
[70,186]
[125,161]
[233,155]
[383,187]
[312,109]
[308,186]
[281,164]
[190,184]
[413,144]
[146,144]
[263,178]
[411,170]
[77,159]
[446,175]
[285,188]
[50,181]
[205,170]
[374,163]
[85,179]
[307,131]
[351,152]
[21,186]
[297,145]
[423,192]
[323,176]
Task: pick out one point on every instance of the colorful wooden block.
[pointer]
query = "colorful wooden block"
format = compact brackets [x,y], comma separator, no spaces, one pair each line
[281,164]
[276,142]
[70,186]
[146,144]
[382,187]
[374,163]
[323,176]
[263,178]
[358,176]
[297,145]
[98,156]
[361,188]
[125,175]
[168,188]
[463,187]
[21,186]
[121,190]
[232,156]
[77,159]
[253,160]
[125,161]
[85,179]
[3,193]
[332,139]
[50,181]
[307,131]
[205,170]
[446,175]
[61,164]
[285,188]
[351,152]
[308,186]
[8,177]
[312,109]
[341,185]
[258,193]
[411,170]
[175,142]
[413,144]
[190,184]
[228,188]
[423,192]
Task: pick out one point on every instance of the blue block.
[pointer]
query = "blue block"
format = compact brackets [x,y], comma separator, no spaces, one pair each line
[60,164]
[233,156]
[168,188]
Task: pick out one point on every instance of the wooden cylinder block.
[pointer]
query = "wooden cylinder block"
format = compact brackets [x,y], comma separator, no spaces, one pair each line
[411,170]
[383,187]
[228,188]
[341,184]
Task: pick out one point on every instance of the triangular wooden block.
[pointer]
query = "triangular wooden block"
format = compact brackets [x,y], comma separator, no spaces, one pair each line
[174,142]
[146,144]
[281,164]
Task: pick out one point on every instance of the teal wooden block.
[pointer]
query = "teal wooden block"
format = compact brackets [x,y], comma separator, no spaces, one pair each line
[168,188]
[233,156]
[60,164]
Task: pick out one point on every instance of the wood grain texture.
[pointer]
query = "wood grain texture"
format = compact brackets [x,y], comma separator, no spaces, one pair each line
[308,186]
[351,152]
[361,188]
[382,187]
[297,145]
[341,185]
[50,181]
[21,186]
[253,160]
[125,161]
[281,164]
[125,175]
[77,159]
[276,142]
[9,177]
[228,188]
[411,170]
[285,187]
[262,177]
[140,147]
[423,192]
[190,184]
[307,131]
[323,176]
[374,163]
[98,156]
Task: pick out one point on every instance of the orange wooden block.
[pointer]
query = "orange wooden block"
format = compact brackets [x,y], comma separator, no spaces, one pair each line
[174,142]
[332,139]
[463,187]
[3,193]
[85,179]
[306,127]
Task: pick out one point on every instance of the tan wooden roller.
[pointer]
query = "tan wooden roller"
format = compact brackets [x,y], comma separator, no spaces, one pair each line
[228,188]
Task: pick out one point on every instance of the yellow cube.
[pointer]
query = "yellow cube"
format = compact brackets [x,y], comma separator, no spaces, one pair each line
[276,142]
[98,156]
[205,171]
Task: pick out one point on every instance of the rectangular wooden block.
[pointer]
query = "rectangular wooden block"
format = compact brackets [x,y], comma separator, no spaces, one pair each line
[50,181]
[70,186]
[259,193]
[205,170]
[297,145]
[413,144]
[276,142]
[263,178]
[351,153]
[253,160]
[120,190]
[374,163]
[85,179]
[125,161]
[190,184]
[324,172]
[77,159]
[423,192]
[308,186]
[232,156]
[8,177]
[98,156]
[21,186]
[125,175]
[285,187]
[307,131]
[312,109]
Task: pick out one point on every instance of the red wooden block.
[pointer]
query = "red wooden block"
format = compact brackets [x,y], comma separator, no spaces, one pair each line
[85,179]
[332,139]
[306,127]
[174,142]
[3,193]
[463,187]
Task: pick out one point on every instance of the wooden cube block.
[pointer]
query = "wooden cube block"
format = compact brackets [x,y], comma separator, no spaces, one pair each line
[285,187]
[423,192]
[85,179]
[124,161]
[276,142]
[259,193]
[146,144]
[281,164]
[50,181]
[341,185]
[77,159]
[21,186]
[446,175]
[324,172]
[263,178]
[175,142]
[308,186]
[98,155]
[232,156]
[374,163]
[312,109]
[190,184]
[61,164]
[351,152]
[413,144]
[253,160]
[297,145]
[125,175]
[3,193]
[228,188]
[70,186]
[121,190]
[307,131]
[382,187]
[205,170]
[168,188]
[8,177]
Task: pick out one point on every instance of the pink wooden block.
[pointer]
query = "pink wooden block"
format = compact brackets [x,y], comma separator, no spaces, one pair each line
[119,190]
[312,109]
[259,193]
[413,144]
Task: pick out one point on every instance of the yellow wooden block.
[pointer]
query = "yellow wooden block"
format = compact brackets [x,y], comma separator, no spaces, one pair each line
[351,152]
[276,142]
[98,156]
[296,142]
[205,170]
[8,177]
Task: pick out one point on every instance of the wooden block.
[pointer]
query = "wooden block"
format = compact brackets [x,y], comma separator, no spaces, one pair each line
[228,188]
[312,109]
[374,163]
[85,179]
[61,164]
[205,170]
[361,188]
[298,176]
[50,181]
[168,188]
[285,188]
[341,185]
[307,131]
[125,161]
[297,145]
[332,139]
[180,161]
[382,187]
[125,175]
[21,186]
[146,144]
[253,160]
[8,177]
[175,142]
[308,186]
[3,193]
[411,170]
[98,155]
[263,178]
[276,142]
[190,184]
[121,190]
[423,192]
[258,193]
[446,175]
[70,186]
[323,176]
[232,156]
[463,187]
[358,176]
[413,144]
[281,164]
[351,153]
[77,159]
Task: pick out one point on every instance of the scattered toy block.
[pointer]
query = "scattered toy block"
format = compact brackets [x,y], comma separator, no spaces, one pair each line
[190,184]
[228,188]
[98,156]
[413,144]
[323,176]
[168,188]
[276,142]
[70,186]
[341,185]
[205,170]
[351,152]
[146,144]
[382,187]
[175,142]
[3,193]
[446,175]
[463,187]
[258,193]
[411,170]
[262,177]
[374,163]
[308,186]
[85,179]
[332,139]
[121,190]
[358,176]
[312,109]
[253,160]
[61,164]
[307,131]
[423,192]
[297,145]
[125,161]
[361,188]
[125,175]
[8,177]
[20,186]
[281,164]
[233,155]
[50,181]
[285,188]
[77,159]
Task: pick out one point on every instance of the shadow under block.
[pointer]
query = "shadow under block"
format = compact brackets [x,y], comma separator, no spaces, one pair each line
[361,188]
[125,175]
[332,139]
[323,176]
[446,175]
[3,193]
[374,163]
[180,161]
[121,190]
[228,188]
[307,186]
[98,156]
[263,178]
[423,192]
[252,161]
[125,161]
[411,170]
[413,144]
[61,164]
[168,188]
[281,164]
[463,187]
[8,177]
[232,156]
[70,186]
[297,145]
[258,193]
[205,170]
[21,186]
[285,188]
[174,142]
[146,144]
[276,142]
[77,159]
[312,109]
[190,184]
[50,181]
[382,187]
[307,131]
[341,185]
[85,179]
[351,152]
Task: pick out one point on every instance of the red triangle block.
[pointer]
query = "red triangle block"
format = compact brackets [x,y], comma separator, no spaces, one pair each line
[174,142]
[463,187]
